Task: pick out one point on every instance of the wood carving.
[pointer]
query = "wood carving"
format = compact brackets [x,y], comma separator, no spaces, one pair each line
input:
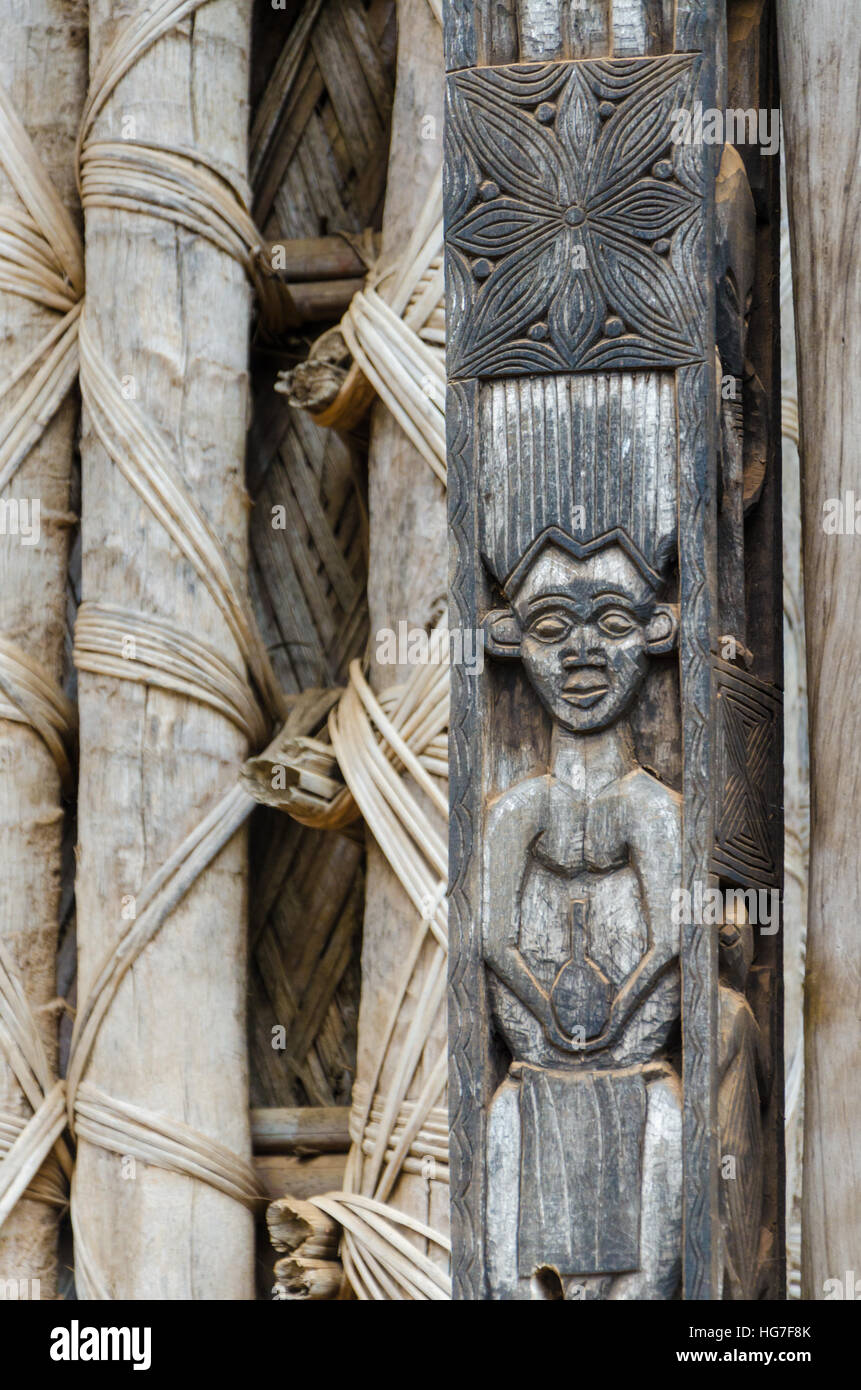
[580,861]
[560,235]
[600,281]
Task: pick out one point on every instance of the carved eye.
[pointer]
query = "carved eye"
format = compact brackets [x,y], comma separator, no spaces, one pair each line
[549,628]
[616,622]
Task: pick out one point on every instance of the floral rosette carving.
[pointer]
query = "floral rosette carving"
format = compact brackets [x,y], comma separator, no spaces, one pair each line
[570,247]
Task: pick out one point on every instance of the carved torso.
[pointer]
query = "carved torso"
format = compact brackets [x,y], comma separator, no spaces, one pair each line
[592,852]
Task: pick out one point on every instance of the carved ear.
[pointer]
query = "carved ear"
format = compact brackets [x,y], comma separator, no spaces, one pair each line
[501,633]
[663,629]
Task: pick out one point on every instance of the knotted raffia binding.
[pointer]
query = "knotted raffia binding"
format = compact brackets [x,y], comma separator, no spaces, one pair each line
[299,774]
[115,641]
[392,754]
[42,259]
[318,157]
[33,1156]
[28,695]
[378,754]
[394,331]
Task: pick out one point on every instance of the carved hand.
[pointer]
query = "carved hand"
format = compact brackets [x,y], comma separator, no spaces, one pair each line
[620,1011]
[557,1038]
[635,990]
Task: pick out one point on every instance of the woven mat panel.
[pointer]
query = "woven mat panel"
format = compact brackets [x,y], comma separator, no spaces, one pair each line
[319,142]
[308,541]
[308,588]
[319,165]
[305,976]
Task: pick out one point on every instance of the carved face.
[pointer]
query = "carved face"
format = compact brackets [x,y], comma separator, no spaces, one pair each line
[587,628]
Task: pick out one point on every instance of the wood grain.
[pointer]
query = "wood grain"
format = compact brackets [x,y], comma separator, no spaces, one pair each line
[819,61]
[172,312]
[43,71]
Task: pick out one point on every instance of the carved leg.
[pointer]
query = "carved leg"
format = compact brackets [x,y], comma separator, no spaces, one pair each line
[503,1187]
[661,1210]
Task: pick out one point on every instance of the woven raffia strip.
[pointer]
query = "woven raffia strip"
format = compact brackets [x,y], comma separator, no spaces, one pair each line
[319,144]
[308,580]
[391,752]
[319,138]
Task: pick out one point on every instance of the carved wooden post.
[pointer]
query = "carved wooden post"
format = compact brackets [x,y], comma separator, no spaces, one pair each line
[613,1075]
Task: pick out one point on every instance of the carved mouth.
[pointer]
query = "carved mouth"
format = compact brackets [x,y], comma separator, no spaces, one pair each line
[585,688]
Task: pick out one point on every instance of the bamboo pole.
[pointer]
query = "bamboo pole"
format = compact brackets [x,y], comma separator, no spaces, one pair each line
[43,74]
[820,52]
[303,1130]
[168,312]
[407,580]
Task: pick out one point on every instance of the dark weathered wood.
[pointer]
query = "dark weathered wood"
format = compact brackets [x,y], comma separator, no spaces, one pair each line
[322,301]
[583,254]
[278,1174]
[309,1129]
[315,258]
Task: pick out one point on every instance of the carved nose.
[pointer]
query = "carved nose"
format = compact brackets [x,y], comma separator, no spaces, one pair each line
[578,652]
[574,646]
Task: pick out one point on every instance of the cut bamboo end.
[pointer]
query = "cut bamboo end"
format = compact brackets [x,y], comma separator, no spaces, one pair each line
[296,1225]
[351,405]
[301,1279]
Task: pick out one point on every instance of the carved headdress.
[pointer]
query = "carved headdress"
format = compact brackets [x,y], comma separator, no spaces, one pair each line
[580,462]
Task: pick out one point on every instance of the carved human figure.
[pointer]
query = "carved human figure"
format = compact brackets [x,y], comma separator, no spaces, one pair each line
[584,1134]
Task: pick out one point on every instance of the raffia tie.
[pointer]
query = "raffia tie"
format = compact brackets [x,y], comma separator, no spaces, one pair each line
[179,186]
[29,695]
[25,1146]
[382,748]
[392,753]
[41,257]
[394,329]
